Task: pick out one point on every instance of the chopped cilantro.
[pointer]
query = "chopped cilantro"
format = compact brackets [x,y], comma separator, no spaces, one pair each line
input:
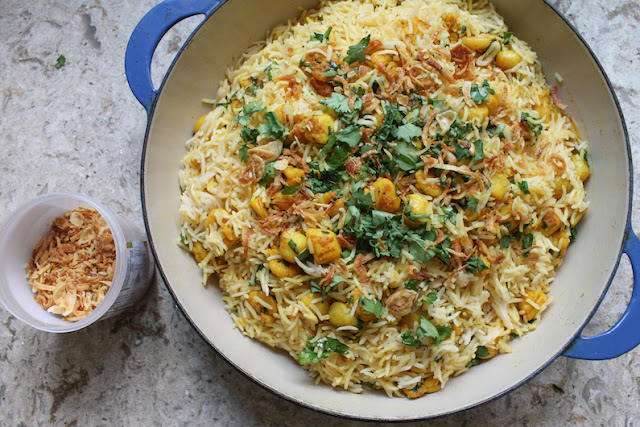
[482,351]
[287,191]
[324,290]
[269,174]
[430,298]
[505,241]
[320,37]
[406,157]
[479,150]
[243,153]
[273,128]
[527,241]
[411,284]
[498,129]
[293,246]
[316,351]
[524,187]
[303,255]
[536,128]
[373,306]
[350,135]
[426,330]
[472,204]
[475,265]
[249,110]
[60,61]
[479,94]
[355,53]
[514,335]
[249,135]
[408,131]
[339,103]
[474,362]
[268,70]
[437,103]
[574,234]
[463,29]
[506,37]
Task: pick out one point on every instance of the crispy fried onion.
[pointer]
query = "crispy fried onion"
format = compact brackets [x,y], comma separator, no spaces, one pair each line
[254,170]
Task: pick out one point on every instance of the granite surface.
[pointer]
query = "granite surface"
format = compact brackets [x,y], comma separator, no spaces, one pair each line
[78,128]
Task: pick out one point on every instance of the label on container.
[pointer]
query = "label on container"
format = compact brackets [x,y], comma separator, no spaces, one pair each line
[136,278]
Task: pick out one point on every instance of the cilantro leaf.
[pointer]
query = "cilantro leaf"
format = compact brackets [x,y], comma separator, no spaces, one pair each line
[287,191]
[437,103]
[479,94]
[373,306]
[407,132]
[60,61]
[339,103]
[536,128]
[479,150]
[498,129]
[505,241]
[472,204]
[324,290]
[406,156]
[475,265]
[474,362]
[430,298]
[524,187]
[482,351]
[350,135]
[269,175]
[249,135]
[527,241]
[248,110]
[355,53]
[243,153]
[273,128]
[506,37]
[268,70]
[411,284]
[320,37]
[293,246]
[428,330]
[316,351]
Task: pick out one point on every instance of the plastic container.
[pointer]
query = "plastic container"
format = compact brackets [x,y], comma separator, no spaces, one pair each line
[23,230]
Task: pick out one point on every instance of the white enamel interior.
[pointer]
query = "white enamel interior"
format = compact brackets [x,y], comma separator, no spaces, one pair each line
[581,281]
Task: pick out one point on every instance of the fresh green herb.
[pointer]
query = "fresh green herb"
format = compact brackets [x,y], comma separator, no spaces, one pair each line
[472,204]
[428,330]
[408,131]
[498,129]
[350,135]
[269,175]
[249,135]
[339,103]
[544,225]
[479,94]
[324,290]
[273,128]
[524,187]
[527,241]
[293,246]
[557,388]
[287,191]
[514,335]
[482,351]
[536,128]
[585,156]
[243,153]
[60,61]
[268,70]
[462,152]
[473,362]
[316,351]
[574,234]
[356,53]
[373,306]
[437,103]
[479,150]
[320,37]
[183,237]
[463,29]
[505,241]
[407,157]
[411,284]
[228,100]
[248,110]
[430,298]
[303,255]
[346,253]
[506,37]
[475,265]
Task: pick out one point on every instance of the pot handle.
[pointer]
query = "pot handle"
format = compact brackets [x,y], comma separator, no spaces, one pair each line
[146,36]
[625,335]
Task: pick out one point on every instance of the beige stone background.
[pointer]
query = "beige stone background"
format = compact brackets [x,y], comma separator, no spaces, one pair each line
[78,128]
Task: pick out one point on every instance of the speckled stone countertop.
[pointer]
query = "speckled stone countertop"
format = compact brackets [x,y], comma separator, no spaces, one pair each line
[78,128]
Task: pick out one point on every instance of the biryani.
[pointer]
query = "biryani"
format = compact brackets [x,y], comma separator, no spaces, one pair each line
[384,190]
